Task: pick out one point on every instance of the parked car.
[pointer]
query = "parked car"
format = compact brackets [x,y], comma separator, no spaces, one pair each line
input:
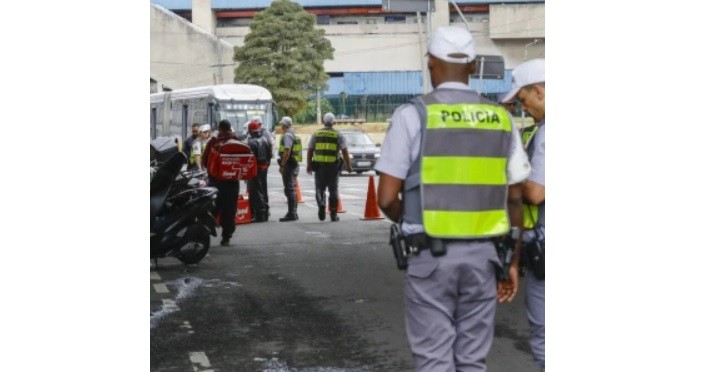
[363,152]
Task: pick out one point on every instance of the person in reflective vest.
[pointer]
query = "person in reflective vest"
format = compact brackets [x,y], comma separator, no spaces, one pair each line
[450,153]
[323,149]
[290,155]
[528,89]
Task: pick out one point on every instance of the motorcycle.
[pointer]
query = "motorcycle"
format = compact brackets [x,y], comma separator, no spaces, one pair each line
[181,220]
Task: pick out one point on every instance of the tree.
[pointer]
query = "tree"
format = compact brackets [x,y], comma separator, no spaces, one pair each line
[284,52]
[308,114]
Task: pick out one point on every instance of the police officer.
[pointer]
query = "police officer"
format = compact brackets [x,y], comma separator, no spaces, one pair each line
[226,203]
[447,152]
[323,158]
[529,89]
[262,151]
[289,156]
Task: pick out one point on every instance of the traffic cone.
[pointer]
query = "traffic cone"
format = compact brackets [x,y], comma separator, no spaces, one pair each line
[372,211]
[298,194]
[339,207]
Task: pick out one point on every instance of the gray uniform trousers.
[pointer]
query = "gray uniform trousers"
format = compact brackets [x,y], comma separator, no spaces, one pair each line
[450,307]
[290,172]
[536,311]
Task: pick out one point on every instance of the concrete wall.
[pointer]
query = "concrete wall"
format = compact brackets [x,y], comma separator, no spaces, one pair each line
[203,15]
[396,47]
[182,54]
[511,21]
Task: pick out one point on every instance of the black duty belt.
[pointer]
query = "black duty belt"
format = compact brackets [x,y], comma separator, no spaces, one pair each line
[420,241]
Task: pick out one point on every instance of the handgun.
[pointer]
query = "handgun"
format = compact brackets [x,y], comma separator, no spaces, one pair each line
[398,245]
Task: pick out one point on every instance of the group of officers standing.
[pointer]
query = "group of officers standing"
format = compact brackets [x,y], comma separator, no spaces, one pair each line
[324,149]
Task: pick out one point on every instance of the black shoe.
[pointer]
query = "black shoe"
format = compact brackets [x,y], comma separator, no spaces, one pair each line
[321,214]
[334,217]
[225,242]
[289,217]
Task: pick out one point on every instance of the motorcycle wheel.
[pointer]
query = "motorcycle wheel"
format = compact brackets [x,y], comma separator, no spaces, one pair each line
[192,256]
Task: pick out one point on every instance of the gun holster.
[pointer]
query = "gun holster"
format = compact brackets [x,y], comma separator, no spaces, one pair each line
[505,246]
[535,254]
[398,244]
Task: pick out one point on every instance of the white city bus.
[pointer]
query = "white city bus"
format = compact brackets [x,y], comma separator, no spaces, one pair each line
[173,113]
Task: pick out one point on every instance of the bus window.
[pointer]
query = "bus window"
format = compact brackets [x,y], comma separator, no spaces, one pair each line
[153,123]
[184,130]
[210,117]
[240,113]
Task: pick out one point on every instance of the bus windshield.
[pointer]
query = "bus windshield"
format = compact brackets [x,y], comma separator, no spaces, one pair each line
[239,113]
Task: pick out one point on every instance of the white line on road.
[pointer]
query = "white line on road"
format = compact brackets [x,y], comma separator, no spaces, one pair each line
[154,275]
[186,325]
[170,304]
[161,288]
[200,360]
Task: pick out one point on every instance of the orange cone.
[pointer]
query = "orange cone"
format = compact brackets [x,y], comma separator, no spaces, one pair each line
[339,207]
[298,194]
[372,211]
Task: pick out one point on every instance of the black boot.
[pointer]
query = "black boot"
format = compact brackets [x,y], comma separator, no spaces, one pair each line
[289,217]
[334,217]
[292,215]
[321,213]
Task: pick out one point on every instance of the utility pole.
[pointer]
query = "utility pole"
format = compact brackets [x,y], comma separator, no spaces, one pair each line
[525,57]
[218,62]
[424,66]
[317,106]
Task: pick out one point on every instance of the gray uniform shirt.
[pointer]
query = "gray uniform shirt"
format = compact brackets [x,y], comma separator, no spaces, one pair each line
[402,145]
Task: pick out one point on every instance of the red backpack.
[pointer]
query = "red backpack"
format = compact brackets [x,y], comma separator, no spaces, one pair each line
[231,160]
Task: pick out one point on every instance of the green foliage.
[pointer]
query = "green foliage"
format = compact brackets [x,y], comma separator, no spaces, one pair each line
[284,52]
[308,114]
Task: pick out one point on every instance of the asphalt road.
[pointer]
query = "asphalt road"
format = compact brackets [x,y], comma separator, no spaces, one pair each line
[299,296]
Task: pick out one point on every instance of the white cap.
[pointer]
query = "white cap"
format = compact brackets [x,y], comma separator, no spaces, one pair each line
[328,118]
[527,73]
[287,121]
[257,119]
[452,44]
[205,128]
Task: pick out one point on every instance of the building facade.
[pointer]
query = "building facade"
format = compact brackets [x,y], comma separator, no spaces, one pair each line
[379,54]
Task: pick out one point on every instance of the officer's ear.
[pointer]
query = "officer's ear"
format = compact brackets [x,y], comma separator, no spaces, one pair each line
[472,67]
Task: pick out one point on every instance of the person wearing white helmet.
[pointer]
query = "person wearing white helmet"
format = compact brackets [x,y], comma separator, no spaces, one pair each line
[450,153]
[290,154]
[528,89]
[198,145]
[322,157]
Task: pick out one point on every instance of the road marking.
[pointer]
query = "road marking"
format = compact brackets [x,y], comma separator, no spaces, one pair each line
[154,275]
[200,361]
[169,307]
[170,304]
[186,324]
[161,288]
